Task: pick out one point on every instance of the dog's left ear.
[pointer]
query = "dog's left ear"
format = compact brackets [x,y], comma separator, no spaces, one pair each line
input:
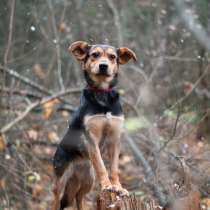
[125,54]
[79,49]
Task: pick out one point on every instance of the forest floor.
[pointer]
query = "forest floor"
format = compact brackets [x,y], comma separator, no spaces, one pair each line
[29,180]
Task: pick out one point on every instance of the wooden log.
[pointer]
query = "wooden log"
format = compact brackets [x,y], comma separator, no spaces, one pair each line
[112,201]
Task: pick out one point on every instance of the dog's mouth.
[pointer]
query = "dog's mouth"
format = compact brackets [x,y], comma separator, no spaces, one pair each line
[106,74]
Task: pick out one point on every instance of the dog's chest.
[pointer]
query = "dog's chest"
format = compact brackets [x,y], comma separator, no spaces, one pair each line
[104,124]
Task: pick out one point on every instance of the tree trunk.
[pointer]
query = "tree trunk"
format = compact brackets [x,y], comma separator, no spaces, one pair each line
[111,201]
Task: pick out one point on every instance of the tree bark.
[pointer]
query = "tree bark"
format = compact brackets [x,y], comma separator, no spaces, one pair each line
[111,201]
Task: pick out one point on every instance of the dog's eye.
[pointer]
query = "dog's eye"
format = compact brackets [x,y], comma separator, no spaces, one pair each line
[95,55]
[112,57]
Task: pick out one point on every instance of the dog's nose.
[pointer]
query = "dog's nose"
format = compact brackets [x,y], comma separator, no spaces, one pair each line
[103,68]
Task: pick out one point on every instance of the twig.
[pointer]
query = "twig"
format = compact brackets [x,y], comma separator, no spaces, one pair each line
[117,22]
[31,107]
[24,79]
[180,59]
[32,84]
[37,143]
[135,109]
[192,89]
[174,130]
[140,71]
[148,170]
[192,24]
[19,118]
[21,92]
[57,44]
[9,42]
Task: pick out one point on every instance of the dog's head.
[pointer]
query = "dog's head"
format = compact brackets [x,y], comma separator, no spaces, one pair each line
[101,62]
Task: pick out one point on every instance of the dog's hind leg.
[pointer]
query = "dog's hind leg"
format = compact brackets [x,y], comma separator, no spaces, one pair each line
[71,189]
[56,192]
[79,201]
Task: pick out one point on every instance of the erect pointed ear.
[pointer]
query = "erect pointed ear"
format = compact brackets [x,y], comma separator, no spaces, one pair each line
[125,54]
[79,49]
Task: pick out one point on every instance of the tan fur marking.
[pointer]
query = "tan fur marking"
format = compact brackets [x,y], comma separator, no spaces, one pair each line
[110,51]
[110,126]
[97,49]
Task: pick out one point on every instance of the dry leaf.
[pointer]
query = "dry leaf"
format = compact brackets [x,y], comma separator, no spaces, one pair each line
[2,143]
[205,204]
[53,136]
[62,27]
[32,134]
[187,87]
[49,107]
[65,114]
[2,184]
[125,159]
[39,71]
[37,191]
[33,177]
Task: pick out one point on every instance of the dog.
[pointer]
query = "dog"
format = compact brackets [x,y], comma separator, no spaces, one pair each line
[98,119]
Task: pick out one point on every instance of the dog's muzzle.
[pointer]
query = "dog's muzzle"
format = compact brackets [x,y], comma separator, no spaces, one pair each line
[103,69]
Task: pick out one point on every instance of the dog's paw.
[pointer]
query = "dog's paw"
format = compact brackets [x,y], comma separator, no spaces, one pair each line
[120,191]
[108,188]
[116,189]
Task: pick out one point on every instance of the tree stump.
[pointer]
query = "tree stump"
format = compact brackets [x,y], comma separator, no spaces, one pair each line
[112,201]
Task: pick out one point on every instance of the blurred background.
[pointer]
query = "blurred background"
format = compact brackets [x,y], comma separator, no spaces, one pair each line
[165,94]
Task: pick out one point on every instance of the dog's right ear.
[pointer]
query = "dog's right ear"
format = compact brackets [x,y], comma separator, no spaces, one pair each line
[79,49]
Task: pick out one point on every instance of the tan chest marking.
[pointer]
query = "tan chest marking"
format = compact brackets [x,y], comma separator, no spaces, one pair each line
[104,124]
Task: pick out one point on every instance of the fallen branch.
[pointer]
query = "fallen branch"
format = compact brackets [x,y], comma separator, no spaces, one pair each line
[117,22]
[9,42]
[36,143]
[148,170]
[34,85]
[57,44]
[32,106]
[24,79]
[20,92]
[194,86]
[192,24]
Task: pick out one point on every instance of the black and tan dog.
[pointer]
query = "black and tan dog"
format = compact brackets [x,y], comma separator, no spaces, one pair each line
[98,119]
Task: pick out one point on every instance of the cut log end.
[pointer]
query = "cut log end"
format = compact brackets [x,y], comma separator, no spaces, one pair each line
[112,201]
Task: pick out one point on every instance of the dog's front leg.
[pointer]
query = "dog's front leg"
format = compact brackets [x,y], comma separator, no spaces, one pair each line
[97,161]
[114,152]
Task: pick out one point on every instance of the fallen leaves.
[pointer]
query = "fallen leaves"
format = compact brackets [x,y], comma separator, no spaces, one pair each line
[37,191]
[205,204]
[2,143]
[33,134]
[33,177]
[49,108]
[53,136]
[188,202]
[39,71]
[2,184]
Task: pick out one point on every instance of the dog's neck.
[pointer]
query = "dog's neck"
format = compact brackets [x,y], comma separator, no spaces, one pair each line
[106,87]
